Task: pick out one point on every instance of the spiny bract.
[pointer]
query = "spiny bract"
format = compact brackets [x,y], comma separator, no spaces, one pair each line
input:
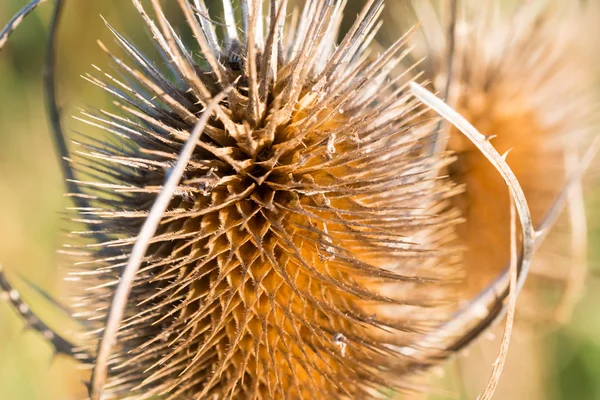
[307,241]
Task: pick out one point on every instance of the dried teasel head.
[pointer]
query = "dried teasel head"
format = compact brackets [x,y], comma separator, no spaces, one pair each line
[522,75]
[268,221]
[523,78]
[307,241]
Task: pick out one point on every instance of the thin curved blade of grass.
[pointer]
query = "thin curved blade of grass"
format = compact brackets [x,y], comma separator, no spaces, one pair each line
[485,310]
[488,307]
[121,296]
[464,327]
[510,317]
[498,161]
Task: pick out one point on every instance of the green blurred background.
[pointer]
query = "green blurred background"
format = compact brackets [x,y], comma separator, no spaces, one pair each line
[545,363]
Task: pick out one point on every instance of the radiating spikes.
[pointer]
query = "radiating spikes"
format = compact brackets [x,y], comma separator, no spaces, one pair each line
[317,32]
[295,243]
[328,42]
[374,67]
[271,56]
[254,100]
[364,19]
[308,50]
[362,34]
[364,48]
[118,85]
[299,34]
[185,114]
[170,45]
[148,67]
[158,37]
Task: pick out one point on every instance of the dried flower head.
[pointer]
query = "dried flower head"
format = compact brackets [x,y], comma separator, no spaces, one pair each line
[306,241]
[267,218]
[520,74]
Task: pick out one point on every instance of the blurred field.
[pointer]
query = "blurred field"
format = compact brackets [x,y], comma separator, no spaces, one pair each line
[554,364]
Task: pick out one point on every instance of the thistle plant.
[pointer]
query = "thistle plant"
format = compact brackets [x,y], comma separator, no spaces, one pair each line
[268,218]
[302,231]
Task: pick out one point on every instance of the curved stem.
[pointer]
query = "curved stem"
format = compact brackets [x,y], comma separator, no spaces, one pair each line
[54,118]
[14,22]
[121,296]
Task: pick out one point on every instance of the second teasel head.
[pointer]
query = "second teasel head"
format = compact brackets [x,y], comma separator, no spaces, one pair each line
[524,75]
[307,241]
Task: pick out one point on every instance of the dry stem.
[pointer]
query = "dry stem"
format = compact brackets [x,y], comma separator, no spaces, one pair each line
[121,296]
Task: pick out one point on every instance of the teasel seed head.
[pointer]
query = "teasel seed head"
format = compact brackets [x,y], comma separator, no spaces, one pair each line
[307,241]
[523,76]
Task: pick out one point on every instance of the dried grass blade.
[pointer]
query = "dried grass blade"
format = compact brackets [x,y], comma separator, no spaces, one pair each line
[121,296]
[510,317]
[480,141]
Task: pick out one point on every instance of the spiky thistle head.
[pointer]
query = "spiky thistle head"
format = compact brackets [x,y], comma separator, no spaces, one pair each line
[520,74]
[306,241]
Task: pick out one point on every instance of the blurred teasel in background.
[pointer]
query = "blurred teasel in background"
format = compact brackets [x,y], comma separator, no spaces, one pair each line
[277,205]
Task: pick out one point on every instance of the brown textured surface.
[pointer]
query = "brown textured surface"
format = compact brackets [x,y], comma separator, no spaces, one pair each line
[306,242]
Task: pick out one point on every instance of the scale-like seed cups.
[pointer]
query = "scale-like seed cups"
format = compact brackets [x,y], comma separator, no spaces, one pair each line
[307,240]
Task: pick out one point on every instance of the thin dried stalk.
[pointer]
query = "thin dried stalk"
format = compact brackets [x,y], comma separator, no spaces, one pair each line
[121,295]
[58,342]
[511,307]
[461,324]
[488,307]
[498,161]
